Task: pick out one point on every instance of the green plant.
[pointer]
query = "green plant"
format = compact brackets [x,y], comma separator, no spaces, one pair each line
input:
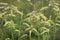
[29,19]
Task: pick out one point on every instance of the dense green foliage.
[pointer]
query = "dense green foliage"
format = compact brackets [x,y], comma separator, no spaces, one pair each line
[29,19]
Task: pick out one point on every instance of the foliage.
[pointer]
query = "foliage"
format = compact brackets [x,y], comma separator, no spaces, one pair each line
[29,19]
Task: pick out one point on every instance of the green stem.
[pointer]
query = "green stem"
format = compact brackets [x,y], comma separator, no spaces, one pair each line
[12,37]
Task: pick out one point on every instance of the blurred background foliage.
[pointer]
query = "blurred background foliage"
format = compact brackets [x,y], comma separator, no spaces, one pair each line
[29,19]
